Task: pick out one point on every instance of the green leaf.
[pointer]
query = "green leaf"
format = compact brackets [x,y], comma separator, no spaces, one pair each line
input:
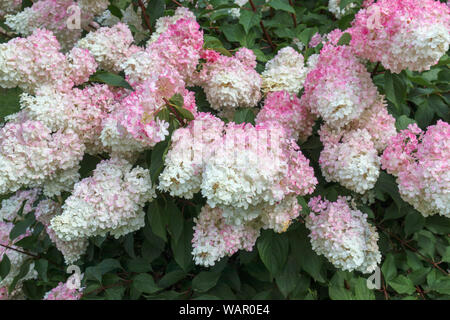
[395,89]
[129,245]
[156,220]
[9,102]
[439,106]
[362,292]
[205,280]
[306,258]
[115,293]
[5,266]
[164,115]
[438,224]
[419,276]
[345,39]
[211,42]
[110,79]
[144,283]
[287,279]
[389,269]
[177,99]
[139,265]
[23,271]
[340,293]
[281,5]
[386,183]
[244,115]
[233,32]
[403,122]
[185,113]
[107,265]
[155,9]
[115,11]
[402,285]
[175,220]
[414,221]
[41,267]
[273,250]
[248,19]
[306,35]
[424,115]
[183,247]
[22,226]
[442,286]
[171,278]
[157,159]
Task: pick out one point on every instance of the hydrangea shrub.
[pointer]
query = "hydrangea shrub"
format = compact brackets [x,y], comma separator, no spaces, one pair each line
[224,149]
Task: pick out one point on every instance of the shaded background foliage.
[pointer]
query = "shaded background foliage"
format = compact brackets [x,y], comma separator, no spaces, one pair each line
[156,263]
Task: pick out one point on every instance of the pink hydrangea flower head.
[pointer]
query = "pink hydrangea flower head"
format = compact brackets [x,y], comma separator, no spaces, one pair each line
[402,34]
[287,110]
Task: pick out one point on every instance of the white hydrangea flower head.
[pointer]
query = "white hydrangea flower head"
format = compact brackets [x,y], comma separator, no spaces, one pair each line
[109,45]
[71,250]
[190,150]
[350,159]
[231,82]
[343,235]
[163,23]
[110,201]
[214,238]
[31,154]
[286,71]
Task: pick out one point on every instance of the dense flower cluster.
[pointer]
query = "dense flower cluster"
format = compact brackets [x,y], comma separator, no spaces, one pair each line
[250,175]
[214,238]
[31,156]
[36,61]
[402,34]
[110,46]
[230,82]
[286,71]
[71,250]
[191,148]
[177,47]
[343,235]
[66,18]
[286,109]
[420,161]
[63,292]
[350,159]
[109,201]
[339,88]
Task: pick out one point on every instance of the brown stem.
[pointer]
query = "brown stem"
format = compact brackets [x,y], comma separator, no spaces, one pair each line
[266,34]
[174,111]
[375,69]
[405,244]
[294,19]
[420,291]
[177,3]
[145,15]
[24,252]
